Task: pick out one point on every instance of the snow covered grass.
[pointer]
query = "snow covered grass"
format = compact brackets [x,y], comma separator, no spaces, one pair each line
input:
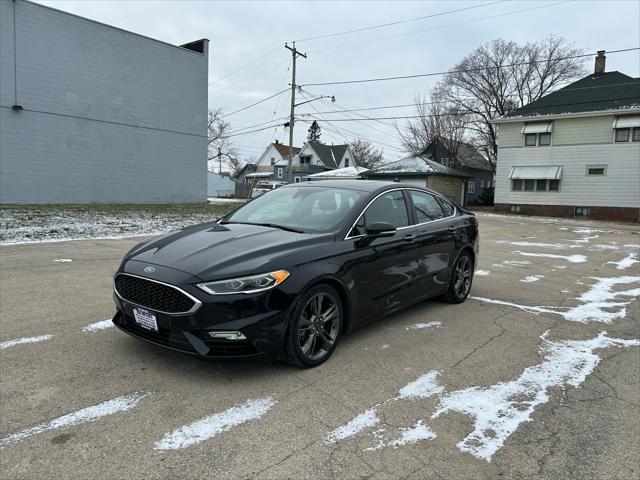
[42,223]
[498,410]
[89,414]
[209,427]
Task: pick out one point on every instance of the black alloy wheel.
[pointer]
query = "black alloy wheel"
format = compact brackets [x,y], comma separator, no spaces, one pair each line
[461,279]
[315,327]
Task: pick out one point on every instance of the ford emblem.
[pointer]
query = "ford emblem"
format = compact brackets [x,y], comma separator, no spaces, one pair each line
[149,269]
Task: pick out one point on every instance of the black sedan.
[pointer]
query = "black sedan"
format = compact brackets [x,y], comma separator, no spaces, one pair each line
[288,273]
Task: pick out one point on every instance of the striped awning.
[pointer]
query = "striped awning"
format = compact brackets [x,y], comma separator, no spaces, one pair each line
[551,173]
[628,121]
[538,127]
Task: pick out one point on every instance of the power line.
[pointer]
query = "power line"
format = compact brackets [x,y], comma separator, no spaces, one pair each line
[271,52]
[399,22]
[250,131]
[254,104]
[379,39]
[463,70]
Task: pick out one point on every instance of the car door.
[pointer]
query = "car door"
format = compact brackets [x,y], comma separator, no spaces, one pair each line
[383,273]
[436,237]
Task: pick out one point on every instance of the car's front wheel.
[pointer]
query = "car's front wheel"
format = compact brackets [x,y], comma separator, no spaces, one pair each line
[460,279]
[315,327]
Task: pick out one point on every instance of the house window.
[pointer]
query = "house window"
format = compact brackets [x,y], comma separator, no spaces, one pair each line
[481,183]
[534,185]
[581,211]
[636,134]
[530,139]
[596,170]
[537,139]
[296,179]
[273,160]
[471,187]
[544,139]
[622,135]
[514,208]
[280,172]
[346,162]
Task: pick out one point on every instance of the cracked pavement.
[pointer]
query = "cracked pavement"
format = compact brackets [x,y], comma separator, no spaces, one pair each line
[592,431]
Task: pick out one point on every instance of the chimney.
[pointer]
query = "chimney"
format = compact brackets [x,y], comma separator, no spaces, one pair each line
[601,61]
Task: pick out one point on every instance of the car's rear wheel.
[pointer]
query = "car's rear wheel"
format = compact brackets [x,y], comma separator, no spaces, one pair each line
[460,279]
[315,327]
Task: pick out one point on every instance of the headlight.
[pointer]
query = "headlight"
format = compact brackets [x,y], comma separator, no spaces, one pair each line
[255,283]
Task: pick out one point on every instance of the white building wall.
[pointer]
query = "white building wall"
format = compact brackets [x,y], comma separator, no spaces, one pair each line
[620,187]
[109,116]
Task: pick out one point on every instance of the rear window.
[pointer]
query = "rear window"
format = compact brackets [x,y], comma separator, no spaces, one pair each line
[447,207]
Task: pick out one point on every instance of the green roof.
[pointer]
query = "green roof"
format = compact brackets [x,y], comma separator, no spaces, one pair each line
[595,92]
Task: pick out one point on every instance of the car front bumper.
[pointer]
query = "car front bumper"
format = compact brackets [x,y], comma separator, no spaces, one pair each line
[262,318]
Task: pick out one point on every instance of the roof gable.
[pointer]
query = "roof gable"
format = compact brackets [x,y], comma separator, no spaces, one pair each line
[283,149]
[595,92]
[330,155]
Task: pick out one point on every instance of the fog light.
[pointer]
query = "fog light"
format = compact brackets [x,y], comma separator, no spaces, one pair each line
[228,335]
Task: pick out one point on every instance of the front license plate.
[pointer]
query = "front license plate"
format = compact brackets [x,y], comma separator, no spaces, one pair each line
[145,319]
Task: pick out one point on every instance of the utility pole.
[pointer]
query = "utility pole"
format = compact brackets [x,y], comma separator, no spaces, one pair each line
[294,54]
[219,161]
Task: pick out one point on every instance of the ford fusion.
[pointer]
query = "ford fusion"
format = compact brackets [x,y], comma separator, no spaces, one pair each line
[287,274]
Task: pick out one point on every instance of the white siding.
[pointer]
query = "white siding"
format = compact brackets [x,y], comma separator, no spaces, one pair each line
[109,116]
[620,187]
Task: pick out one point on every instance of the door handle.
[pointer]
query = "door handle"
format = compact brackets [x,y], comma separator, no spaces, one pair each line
[409,237]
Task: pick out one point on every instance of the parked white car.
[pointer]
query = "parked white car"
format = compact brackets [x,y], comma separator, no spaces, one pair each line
[264,186]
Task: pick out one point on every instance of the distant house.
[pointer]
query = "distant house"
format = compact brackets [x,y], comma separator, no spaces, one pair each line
[424,172]
[574,152]
[314,157]
[467,159]
[275,152]
[246,170]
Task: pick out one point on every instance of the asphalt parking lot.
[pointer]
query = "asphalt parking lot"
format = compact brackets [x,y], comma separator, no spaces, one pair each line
[517,382]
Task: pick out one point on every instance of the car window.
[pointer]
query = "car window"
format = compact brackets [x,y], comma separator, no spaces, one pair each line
[314,209]
[390,208]
[446,206]
[426,207]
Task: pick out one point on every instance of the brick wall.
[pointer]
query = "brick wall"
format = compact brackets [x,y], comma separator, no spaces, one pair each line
[623,214]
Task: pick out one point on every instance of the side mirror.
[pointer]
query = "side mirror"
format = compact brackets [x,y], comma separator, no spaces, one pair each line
[376,230]
[380,229]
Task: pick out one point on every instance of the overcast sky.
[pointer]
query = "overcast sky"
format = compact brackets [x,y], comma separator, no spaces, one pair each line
[241,32]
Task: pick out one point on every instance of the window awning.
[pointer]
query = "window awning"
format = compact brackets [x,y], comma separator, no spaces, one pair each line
[629,121]
[538,127]
[552,173]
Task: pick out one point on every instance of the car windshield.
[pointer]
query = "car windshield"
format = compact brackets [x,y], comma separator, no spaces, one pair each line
[306,209]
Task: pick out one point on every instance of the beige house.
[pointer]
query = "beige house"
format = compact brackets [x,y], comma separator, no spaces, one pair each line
[574,152]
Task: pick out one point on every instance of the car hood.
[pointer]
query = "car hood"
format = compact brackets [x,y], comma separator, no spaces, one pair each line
[212,251]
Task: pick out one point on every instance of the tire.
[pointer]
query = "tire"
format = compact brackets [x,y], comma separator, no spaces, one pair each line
[314,328]
[459,288]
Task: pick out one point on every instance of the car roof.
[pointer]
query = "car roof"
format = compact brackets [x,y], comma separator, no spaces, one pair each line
[361,185]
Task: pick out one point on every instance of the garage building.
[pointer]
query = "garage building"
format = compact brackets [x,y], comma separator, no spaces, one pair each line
[92,113]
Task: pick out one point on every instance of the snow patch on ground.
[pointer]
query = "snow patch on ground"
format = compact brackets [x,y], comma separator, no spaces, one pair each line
[512,263]
[556,246]
[215,424]
[94,327]
[498,410]
[423,387]
[569,258]
[531,278]
[63,260]
[89,414]
[482,273]
[420,326]
[23,341]
[385,346]
[599,304]
[366,419]
[408,435]
[626,262]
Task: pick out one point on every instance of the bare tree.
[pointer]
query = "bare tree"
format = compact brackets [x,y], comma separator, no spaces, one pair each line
[501,76]
[366,155]
[219,148]
[440,125]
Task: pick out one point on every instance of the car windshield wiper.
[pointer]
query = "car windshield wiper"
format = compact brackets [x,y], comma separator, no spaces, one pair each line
[272,225]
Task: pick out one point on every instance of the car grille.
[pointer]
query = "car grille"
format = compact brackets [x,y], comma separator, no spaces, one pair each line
[153,295]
